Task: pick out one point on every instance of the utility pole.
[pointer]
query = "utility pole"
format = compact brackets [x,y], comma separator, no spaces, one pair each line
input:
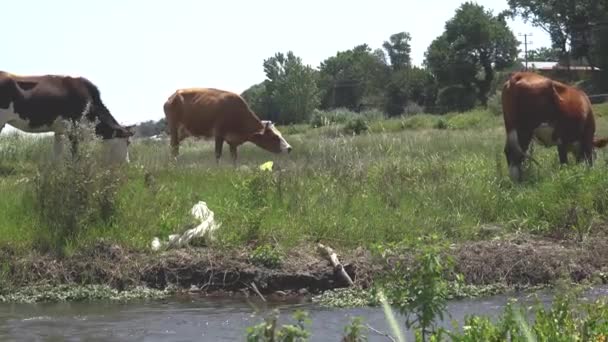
[526,43]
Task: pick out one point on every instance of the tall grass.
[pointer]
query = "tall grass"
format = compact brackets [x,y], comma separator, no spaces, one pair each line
[349,190]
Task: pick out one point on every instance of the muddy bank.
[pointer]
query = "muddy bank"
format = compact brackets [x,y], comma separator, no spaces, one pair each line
[514,261]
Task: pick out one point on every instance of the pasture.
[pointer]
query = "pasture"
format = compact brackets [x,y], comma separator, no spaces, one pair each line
[398,180]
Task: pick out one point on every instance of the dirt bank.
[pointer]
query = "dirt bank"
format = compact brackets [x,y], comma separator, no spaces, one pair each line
[517,260]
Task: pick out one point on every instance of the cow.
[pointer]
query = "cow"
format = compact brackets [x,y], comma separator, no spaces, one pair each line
[48,103]
[552,113]
[214,113]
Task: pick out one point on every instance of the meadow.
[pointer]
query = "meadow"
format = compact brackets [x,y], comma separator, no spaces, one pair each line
[397,179]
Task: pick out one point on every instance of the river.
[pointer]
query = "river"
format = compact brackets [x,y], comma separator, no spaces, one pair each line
[207,319]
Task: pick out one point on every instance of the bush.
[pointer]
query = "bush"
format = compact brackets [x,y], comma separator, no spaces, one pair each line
[456,98]
[267,256]
[356,126]
[342,116]
[74,192]
[495,103]
[412,108]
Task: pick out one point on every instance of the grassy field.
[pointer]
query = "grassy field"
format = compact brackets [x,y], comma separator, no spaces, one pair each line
[397,180]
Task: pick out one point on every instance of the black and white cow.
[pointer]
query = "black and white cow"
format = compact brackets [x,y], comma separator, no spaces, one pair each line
[38,104]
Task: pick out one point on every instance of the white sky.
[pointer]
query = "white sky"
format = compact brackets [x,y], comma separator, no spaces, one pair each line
[138,52]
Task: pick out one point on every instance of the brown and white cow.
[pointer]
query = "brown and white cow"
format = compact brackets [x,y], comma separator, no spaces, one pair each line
[45,103]
[213,113]
[553,113]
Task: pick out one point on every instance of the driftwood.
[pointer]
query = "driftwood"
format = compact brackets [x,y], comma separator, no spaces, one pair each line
[255,289]
[329,253]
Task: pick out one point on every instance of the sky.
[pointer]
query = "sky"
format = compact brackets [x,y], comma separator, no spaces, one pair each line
[139,52]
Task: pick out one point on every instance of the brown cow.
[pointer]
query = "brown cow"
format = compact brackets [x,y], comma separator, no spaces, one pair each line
[551,112]
[210,112]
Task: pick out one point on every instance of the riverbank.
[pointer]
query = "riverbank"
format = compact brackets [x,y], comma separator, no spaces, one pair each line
[107,270]
[79,223]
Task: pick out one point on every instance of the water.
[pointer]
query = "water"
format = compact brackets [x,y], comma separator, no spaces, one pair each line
[205,319]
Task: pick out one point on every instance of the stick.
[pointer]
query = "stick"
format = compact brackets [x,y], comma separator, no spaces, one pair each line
[255,289]
[329,253]
[381,333]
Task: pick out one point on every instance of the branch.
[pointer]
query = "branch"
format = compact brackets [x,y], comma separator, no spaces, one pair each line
[391,338]
[329,253]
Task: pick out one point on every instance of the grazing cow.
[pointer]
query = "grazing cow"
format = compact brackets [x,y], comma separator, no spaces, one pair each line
[46,103]
[212,113]
[553,113]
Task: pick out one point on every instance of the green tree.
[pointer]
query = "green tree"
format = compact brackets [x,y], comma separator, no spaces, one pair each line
[398,50]
[409,85]
[474,45]
[544,54]
[292,87]
[600,52]
[353,77]
[150,128]
[261,102]
[568,22]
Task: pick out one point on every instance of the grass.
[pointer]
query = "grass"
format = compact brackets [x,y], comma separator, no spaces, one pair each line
[403,178]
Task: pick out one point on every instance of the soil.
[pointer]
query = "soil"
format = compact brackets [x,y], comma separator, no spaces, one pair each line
[515,260]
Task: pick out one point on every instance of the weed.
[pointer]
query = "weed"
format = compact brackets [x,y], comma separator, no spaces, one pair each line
[267,256]
[267,331]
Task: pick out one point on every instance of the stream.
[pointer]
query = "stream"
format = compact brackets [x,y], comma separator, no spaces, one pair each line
[212,319]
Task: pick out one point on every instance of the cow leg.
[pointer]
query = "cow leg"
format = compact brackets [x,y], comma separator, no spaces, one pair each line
[233,154]
[58,146]
[73,136]
[219,145]
[587,152]
[562,150]
[173,132]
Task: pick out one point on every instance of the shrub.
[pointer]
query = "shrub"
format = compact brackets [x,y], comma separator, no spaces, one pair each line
[456,98]
[267,256]
[267,331]
[495,103]
[356,126]
[412,108]
[74,192]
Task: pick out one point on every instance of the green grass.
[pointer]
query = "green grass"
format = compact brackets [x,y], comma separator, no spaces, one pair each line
[402,179]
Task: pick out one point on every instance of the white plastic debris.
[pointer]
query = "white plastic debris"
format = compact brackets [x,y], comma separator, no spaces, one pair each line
[205,229]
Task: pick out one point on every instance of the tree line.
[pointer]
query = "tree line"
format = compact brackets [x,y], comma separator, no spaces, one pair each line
[462,68]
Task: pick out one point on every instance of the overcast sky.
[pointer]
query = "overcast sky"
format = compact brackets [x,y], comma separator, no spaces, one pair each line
[138,52]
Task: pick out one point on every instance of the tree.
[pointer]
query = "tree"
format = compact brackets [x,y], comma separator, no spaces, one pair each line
[409,85]
[292,87]
[474,45]
[398,50]
[261,102]
[568,22]
[151,128]
[600,52]
[544,54]
[352,77]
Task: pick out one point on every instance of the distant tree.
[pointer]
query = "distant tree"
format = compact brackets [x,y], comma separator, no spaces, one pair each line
[151,128]
[544,54]
[398,50]
[474,45]
[409,85]
[353,77]
[600,51]
[568,22]
[261,102]
[292,87]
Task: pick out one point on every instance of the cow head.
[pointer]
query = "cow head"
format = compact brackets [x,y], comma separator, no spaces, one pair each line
[271,139]
[117,146]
